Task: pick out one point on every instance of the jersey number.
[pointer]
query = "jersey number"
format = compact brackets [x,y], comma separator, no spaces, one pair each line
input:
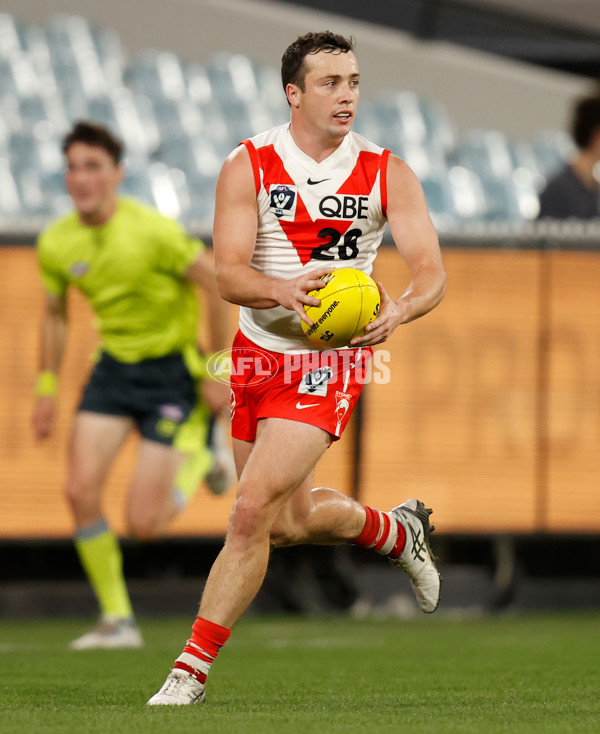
[347,248]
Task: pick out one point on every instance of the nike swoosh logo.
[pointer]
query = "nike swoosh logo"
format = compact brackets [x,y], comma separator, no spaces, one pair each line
[301,406]
[310,182]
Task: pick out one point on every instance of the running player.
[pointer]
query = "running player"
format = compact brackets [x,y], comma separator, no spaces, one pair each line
[292,204]
[138,270]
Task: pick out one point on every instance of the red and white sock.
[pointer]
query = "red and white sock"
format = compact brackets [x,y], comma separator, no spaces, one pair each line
[382,533]
[202,648]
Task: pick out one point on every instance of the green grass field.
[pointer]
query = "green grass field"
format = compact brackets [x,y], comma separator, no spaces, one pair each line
[506,674]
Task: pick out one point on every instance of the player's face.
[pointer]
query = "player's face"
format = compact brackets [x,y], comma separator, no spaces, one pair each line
[328,103]
[92,179]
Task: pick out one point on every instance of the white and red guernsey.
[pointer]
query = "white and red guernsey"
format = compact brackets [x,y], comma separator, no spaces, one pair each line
[310,214]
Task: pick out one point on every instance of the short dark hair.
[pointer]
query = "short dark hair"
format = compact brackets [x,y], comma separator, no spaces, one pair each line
[92,133]
[293,68]
[586,120]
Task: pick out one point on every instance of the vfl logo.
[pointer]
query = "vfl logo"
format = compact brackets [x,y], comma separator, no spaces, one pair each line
[418,547]
[283,201]
[316,381]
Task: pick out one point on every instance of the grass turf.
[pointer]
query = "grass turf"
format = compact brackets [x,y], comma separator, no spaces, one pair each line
[506,674]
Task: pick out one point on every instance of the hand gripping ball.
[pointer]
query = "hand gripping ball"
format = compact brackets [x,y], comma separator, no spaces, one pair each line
[349,301]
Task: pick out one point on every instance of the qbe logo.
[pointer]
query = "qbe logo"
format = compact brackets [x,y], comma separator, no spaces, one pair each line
[283,200]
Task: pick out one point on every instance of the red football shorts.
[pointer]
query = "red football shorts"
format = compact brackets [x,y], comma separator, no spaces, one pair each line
[319,388]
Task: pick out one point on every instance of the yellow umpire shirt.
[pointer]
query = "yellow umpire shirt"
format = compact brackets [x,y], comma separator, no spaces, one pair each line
[131,271]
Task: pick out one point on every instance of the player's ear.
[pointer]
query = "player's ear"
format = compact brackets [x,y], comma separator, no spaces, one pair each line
[293,93]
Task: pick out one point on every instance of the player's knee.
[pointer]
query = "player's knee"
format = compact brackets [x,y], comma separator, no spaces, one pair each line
[284,534]
[145,525]
[81,495]
[250,518]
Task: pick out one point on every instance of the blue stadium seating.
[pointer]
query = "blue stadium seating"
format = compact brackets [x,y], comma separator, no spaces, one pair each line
[179,120]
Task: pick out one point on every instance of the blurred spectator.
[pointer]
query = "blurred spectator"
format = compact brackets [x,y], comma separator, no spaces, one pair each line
[575,190]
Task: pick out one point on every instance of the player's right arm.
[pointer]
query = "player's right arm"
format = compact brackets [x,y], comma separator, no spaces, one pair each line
[234,239]
[53,337]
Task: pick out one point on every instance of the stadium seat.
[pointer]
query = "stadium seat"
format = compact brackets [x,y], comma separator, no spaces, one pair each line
[439,195]
[166,190]
[102,110]
[367,122]
[111,55]
[233,77]
[201,203]
[137,184]
[195,156]
[34,201]
[468,196]
[37,150]
[158,75]
[270,94]
[17,76]
[485,152]
[526,185]
[198,86]
[10,203]
[139,134]
[56,194]
[177,118]
[235,83]
[440,134]
[552,149]
[402,110]
[10,42]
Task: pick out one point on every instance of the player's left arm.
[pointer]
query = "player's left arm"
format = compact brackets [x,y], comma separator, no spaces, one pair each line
[416,240]
[202,273]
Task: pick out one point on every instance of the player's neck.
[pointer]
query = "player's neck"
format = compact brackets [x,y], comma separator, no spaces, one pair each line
[99,216]
[318,147]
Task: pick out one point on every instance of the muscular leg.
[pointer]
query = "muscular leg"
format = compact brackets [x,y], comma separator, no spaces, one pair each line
[282,456]
[275,505]
[318,516]
[313,515]
[277,466]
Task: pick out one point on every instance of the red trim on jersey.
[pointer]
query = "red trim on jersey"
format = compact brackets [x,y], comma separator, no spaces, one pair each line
[254,160]
[273,168]
[385,156]
[363,175]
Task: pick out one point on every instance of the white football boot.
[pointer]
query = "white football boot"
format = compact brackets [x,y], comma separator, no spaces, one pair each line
[416,558]
[180,689]
[110,634]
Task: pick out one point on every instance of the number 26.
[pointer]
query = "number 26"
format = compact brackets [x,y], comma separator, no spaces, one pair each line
[347,248]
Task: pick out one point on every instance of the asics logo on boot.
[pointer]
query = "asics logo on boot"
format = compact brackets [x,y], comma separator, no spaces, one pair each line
[418,544]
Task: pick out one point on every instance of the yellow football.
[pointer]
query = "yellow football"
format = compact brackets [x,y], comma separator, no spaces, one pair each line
[349,301]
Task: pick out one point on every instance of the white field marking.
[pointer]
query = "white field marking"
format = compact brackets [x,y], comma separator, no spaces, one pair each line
[28,647]
[319,642]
